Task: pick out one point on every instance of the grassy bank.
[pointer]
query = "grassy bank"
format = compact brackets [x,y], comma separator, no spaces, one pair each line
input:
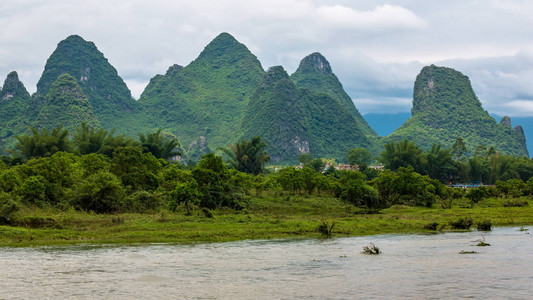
[266,217]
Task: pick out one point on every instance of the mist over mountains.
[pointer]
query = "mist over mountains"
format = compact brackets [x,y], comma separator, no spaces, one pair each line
[225,95]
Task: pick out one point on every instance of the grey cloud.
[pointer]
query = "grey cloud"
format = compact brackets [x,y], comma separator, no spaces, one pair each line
[376,50]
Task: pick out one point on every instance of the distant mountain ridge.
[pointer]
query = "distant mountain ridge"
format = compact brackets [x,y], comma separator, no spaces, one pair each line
[225,95]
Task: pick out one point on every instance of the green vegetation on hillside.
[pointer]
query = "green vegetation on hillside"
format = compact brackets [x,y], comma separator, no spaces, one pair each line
[14,105]
[106,91]
[314,73]
[446,108]
[277,115]
[66,105]
[206,98]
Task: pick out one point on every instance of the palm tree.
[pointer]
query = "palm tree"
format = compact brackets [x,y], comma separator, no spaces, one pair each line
[159,145]
[90,140]
[439,163]
[402,154]
[43,143]
[248,156]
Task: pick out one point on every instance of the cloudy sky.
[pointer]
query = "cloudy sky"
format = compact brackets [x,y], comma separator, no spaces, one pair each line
[376,48]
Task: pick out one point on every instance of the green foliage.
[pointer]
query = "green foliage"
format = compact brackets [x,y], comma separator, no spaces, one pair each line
[215,184]
[405,186]
[438,163]
[360,157]
[290,179]
[43,143]
[90,140]
[401,154]
[136,170]
[248,156]
[9,181]
[476,194]
[159,145]
[33,190]
[93,163]
[101,192]
[432,226]
[185,193]
[8,208]
[445,108]
[354,189]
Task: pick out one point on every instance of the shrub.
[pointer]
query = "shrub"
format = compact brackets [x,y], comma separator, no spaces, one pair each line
[462,223]
[485,225]
[476,194]
[431,226]
[101,192]
[34,190]
[8,208]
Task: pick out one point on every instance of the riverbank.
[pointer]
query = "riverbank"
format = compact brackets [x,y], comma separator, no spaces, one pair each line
[286,216]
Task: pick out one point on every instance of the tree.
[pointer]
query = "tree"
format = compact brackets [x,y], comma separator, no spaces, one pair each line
[458,149]
[43,143]
[90,140]
[248,156]
[401,154]
[159,145]
[136,169]
[101,192]
[215,184]
[359,156]
[438,163]
[185,193]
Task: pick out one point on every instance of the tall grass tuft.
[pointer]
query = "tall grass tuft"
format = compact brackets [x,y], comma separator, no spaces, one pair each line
[326,228]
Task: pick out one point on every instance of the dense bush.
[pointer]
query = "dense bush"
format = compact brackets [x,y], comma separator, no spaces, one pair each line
[407,187]
[101,192]
[485,225]
[354,189]
[8,207]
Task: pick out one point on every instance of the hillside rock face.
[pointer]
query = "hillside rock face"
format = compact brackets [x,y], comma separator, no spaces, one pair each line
[106,91]
[209,96]
[276,114]
[66,105]
[445,107]
[314,73]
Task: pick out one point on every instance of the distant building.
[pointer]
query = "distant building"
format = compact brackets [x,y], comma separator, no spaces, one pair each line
[354,168]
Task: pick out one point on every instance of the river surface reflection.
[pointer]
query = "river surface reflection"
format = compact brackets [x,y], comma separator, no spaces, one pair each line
[411,266]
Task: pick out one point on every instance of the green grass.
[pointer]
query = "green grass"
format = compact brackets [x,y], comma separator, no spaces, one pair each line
[273,216]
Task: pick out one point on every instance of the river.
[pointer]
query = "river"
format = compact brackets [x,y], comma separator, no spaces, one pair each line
[410,266]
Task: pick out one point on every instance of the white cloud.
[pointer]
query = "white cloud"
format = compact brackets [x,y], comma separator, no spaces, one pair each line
[383,17]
